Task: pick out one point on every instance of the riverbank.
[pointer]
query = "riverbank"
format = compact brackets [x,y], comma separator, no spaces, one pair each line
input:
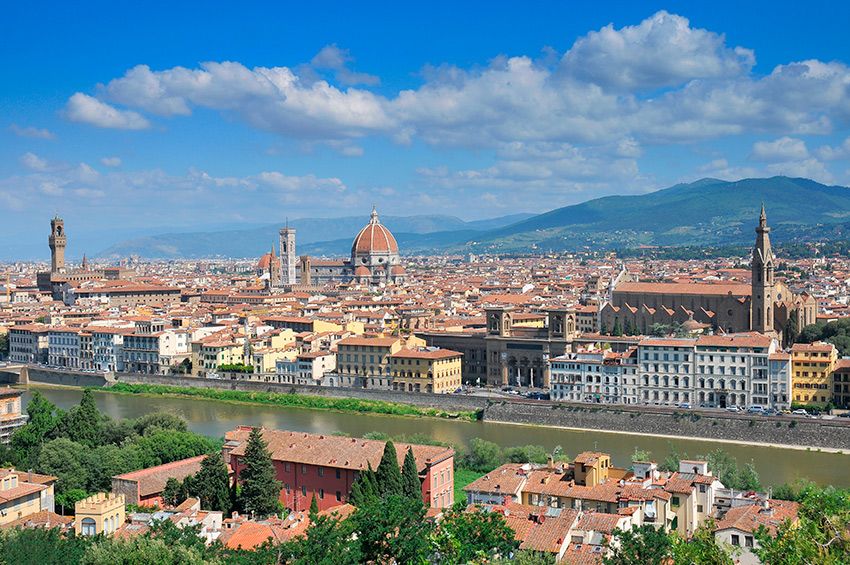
[788,433]
[294,400]
[214,418]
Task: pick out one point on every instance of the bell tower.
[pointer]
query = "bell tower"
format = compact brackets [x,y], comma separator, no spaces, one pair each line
[763,291]
[287,256]
[57,244]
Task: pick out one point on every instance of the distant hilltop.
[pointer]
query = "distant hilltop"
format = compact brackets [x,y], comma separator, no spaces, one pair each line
[702,213]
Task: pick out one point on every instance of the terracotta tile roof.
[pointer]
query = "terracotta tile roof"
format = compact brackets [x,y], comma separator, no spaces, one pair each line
[426,354]
[23,489]
[369,341]
[506,479]
[583,554]
[334,451]
[598,522]
[749,518]
[152,480]
[685,288]
[250,534]
[42,519]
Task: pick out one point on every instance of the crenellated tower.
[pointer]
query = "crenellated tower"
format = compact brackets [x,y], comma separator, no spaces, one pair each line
[57,242]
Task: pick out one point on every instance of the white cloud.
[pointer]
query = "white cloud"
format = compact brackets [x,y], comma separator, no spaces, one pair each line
[808,168]
[829,153]
[287,183]
[662,51]
[110,161]
[782,149]
[33,162]
[32,132]
[267,98]
[333,58]
[88,110]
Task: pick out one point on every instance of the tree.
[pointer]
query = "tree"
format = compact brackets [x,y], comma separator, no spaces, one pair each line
[748,478]
[41,546]
[142,549]
[212,484]
[638,546]
[483,455]
[790,331]
[364,489]
[388,474]
[68,499]
[260,491]
[671,461]
[107,461]
[559,455]
[641,455]
[172,493]
[4,345]
[314,507]
[724,467]
[159,421]
[526,454]
[391,530]
[701,548]
[411,486]
[473,537]
[617,330]
[164,446]
[27,440]
[83,423]
[328,541]
[68,461]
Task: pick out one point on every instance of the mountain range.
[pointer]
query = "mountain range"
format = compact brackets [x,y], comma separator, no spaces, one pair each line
[705,212]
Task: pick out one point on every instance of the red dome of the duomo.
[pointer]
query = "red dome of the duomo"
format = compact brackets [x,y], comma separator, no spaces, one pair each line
[374,238]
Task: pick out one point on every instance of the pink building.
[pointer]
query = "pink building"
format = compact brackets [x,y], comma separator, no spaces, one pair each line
[326,466]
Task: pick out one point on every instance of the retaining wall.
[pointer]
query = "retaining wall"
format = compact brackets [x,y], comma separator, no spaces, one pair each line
[752,429]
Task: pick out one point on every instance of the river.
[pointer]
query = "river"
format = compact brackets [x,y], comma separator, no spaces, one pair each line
[213,418]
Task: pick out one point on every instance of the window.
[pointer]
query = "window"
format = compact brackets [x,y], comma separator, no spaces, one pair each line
[89,527]
[748,541]
[699,507]
[321,494]
[338,474]
[303,469]
[303,490]
[321,471]
[736,539]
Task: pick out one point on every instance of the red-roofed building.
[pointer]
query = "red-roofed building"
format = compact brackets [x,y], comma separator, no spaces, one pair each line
[326,466]
[144,487]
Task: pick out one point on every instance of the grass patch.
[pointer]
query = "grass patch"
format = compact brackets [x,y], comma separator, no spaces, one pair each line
[295,400]
[462,478]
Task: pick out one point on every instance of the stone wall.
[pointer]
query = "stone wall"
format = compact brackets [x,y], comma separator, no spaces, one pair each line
[66,378]
[698,425]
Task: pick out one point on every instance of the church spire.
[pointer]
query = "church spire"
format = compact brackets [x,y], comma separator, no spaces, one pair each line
[762,219]
[373,217]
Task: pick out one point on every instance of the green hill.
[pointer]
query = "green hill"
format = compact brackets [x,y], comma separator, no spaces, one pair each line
[705,212]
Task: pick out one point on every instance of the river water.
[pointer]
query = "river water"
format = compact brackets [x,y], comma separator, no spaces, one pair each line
[213,418]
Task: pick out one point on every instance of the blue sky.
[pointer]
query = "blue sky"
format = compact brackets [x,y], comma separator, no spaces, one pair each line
[130,120]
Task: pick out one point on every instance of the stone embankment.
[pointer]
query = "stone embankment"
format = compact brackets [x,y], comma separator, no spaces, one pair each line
[696,424]
[789,431]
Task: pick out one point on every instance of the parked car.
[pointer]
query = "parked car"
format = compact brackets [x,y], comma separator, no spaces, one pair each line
[844,415]
[771,412]
[800,412]
[685,405]
[732,408]
[755,409]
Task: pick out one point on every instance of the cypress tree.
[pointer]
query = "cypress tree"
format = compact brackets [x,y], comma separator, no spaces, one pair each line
[388,476]
[212,484]
[411,487]
[364,489]
[314,508]
[260,491]
[84,423]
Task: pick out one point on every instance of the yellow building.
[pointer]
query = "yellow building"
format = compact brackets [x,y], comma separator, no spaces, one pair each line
[424,369]
[209,353]
[24,494]
[99,514]
[812,365]
[591,468]
[265,360]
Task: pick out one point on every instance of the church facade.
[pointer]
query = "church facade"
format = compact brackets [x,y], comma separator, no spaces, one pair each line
[766,305]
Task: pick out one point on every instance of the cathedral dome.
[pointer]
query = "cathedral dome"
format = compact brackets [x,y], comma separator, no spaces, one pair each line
[264,262]
[374,238]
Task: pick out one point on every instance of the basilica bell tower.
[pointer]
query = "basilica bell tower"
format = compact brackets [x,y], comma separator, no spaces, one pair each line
[763,293]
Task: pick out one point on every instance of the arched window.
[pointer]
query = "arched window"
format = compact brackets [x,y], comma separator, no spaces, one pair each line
[89,527]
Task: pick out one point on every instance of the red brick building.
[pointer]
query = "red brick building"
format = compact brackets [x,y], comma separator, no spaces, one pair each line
[145,486]
[326,466]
